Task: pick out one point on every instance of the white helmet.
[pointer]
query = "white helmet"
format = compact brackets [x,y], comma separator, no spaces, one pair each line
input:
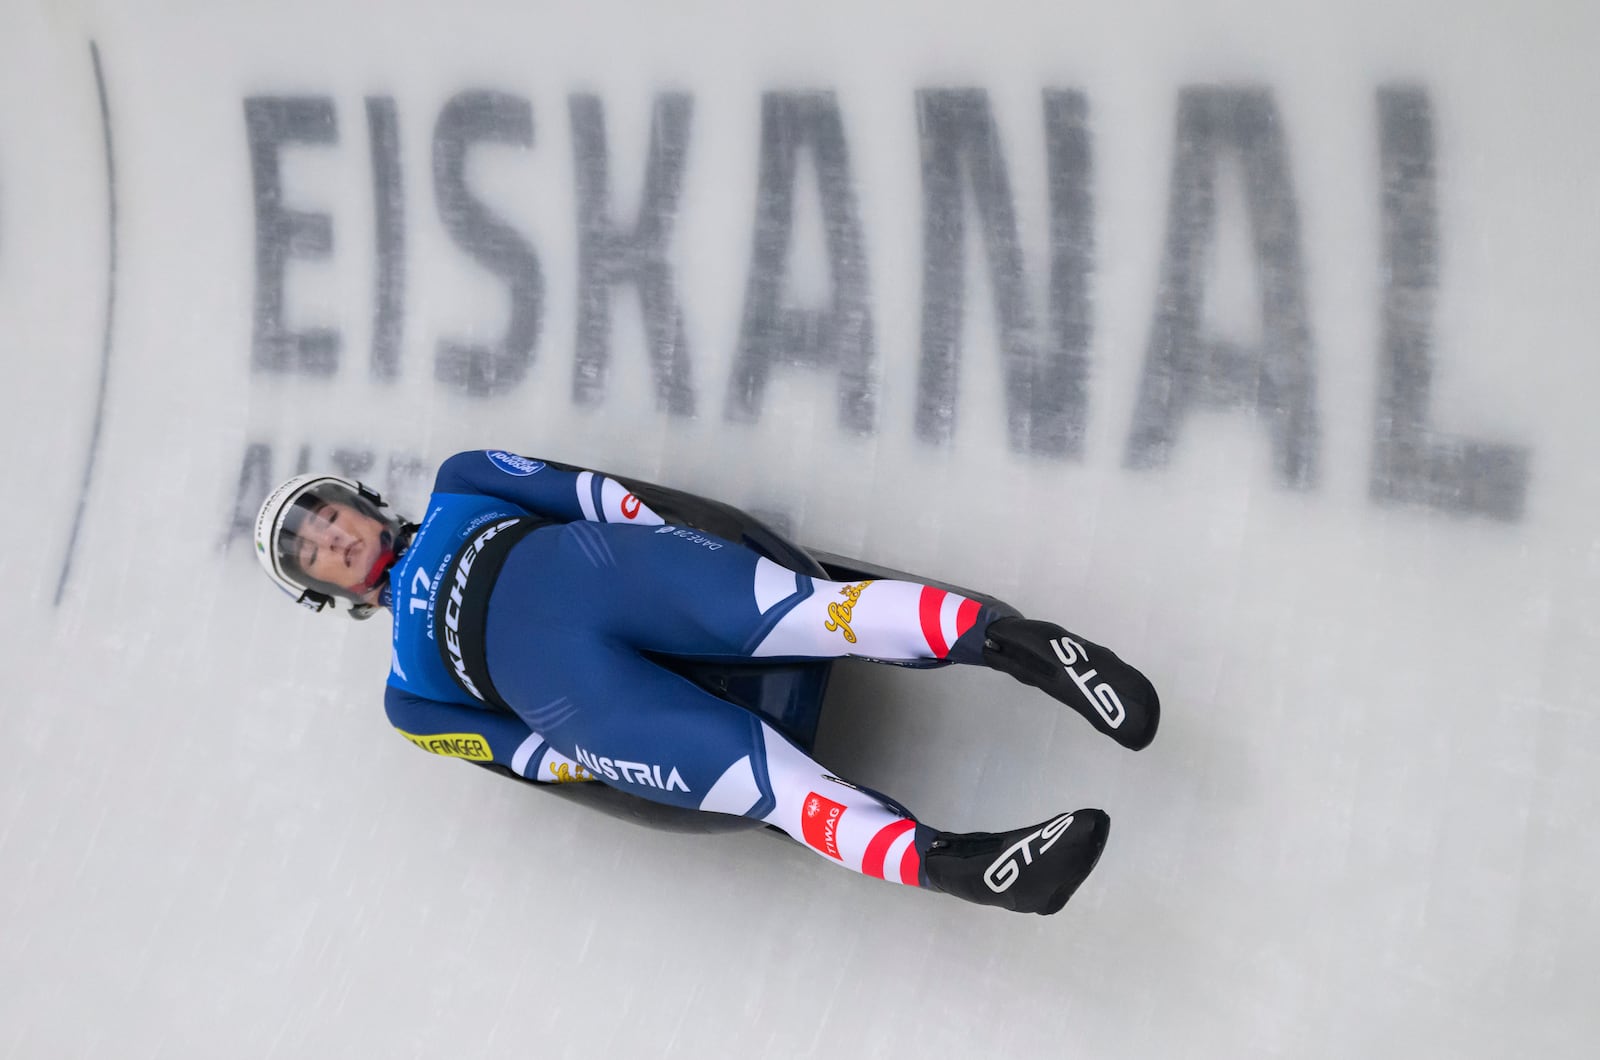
[291,507]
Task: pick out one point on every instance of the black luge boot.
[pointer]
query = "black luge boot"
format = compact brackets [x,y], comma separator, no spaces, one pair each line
[1029,870]
[1117,699]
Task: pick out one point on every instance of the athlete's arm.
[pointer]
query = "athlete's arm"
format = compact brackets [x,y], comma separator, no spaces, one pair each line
[478,735]
[569,494]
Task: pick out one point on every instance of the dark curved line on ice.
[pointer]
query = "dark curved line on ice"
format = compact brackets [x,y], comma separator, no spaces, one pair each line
[111,309]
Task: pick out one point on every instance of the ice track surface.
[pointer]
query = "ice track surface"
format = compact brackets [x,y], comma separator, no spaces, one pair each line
[1255,341]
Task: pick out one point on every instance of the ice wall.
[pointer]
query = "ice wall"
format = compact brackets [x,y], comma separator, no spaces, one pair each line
[1252,339]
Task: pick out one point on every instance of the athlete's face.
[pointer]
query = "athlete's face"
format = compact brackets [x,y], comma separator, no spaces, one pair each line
[338,544]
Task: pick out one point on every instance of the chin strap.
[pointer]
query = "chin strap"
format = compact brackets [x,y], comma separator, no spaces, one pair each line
[379,571]
[378,576]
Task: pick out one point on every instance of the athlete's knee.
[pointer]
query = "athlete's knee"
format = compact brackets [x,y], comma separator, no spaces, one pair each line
[737,791]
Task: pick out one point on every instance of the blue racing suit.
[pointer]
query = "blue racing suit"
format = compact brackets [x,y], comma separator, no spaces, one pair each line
[524,606]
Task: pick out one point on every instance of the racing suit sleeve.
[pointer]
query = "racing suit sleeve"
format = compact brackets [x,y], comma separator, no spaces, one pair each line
[478,735]
[554,490]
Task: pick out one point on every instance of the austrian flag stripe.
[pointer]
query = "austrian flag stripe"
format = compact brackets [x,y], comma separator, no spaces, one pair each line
[892,847]
[944,617]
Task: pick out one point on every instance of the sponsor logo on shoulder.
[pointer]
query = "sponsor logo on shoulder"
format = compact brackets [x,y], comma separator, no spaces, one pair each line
[469,745]
[819,823]
[512,464]
[452,607]
[1009,865]
[630,507]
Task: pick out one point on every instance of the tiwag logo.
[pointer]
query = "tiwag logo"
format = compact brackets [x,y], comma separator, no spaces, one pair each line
[1102,696]
[1009,865]
[512,464]
[819,823]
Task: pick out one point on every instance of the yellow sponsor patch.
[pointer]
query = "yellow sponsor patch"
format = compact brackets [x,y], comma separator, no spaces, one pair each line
[468,745]
[840,615]
[569,773]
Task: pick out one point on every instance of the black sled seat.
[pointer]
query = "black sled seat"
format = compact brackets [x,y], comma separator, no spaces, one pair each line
[788,696]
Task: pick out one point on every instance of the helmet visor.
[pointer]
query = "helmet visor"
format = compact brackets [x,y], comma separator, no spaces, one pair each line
[335,540]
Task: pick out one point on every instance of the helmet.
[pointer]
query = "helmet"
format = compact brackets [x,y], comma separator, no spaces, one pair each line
[297,519]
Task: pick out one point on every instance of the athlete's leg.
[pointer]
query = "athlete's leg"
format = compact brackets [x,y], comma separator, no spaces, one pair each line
[647,731]
[682,592]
